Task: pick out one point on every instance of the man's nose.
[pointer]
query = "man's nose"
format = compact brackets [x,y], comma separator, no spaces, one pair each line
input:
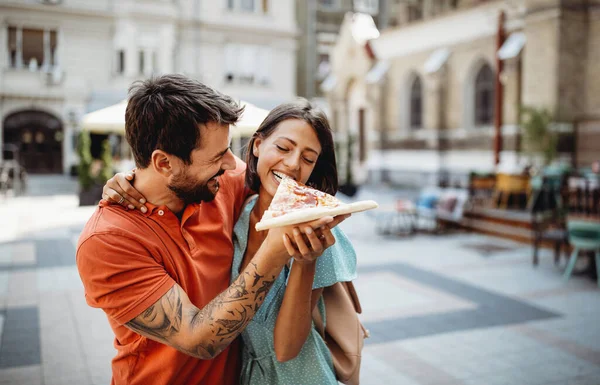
[228,161]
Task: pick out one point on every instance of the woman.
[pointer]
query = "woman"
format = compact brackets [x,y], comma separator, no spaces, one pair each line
[281,345]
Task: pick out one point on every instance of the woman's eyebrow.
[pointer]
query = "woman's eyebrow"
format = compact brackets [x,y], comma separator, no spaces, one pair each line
[296,144]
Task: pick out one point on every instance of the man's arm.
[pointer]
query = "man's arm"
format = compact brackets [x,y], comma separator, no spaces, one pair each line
[204,333]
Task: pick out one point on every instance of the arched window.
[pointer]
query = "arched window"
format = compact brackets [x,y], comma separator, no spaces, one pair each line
[484,96]
[416,104]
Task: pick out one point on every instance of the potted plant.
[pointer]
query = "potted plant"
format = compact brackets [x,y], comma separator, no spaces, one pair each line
[538,137]
[90,182]
[349,187]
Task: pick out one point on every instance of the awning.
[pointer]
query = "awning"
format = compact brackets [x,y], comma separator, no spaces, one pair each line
[106,120]
[112,120]
[512,46]
[363,28]
[436,60]
[251,119]
[377,72]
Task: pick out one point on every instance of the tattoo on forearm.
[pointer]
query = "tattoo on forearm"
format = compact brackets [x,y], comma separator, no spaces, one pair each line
[226,316]
[161,319]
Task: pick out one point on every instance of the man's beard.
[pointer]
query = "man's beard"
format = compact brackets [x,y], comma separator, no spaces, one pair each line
[189,192]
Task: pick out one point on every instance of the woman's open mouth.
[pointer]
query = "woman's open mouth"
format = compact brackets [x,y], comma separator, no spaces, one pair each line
[279,176]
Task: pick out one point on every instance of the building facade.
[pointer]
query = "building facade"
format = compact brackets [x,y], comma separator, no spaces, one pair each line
[60,59]
[426,90]
[319,22]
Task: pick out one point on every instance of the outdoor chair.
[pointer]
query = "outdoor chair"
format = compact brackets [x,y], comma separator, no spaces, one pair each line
[584,236]
[548,217]
[510,185]
[438,208]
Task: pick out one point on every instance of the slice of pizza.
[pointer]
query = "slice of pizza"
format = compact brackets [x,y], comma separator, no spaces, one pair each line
[295,203]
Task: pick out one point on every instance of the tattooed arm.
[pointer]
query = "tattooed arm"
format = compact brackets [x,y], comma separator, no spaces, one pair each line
[204,333]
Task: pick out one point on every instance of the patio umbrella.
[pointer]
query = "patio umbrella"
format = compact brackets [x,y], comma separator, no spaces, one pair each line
[112,120]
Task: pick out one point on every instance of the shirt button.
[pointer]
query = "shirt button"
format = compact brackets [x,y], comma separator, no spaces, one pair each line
[161,213]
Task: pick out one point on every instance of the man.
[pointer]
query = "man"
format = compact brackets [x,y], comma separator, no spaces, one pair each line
[162,276]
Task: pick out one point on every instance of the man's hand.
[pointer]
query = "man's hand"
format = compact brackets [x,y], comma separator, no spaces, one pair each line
[118,189]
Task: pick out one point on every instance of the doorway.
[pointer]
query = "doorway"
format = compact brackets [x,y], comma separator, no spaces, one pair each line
[38,137]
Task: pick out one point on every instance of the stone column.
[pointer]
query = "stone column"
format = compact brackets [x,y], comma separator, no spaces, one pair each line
[19,60]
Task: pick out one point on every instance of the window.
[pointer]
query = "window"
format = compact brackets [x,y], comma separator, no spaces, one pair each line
[248,5]
[367,6]
[415,12]
[329,3]
[32,48]
[12,47]
[154,62]
[324,67]
[141,62]
[484,96]
[247,64]
[263,71]
[120,68]
[416,104]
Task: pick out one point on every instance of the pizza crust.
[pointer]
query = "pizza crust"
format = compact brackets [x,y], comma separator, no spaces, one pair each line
[310,214]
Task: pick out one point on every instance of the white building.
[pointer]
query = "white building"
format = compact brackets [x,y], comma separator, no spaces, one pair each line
[62,58]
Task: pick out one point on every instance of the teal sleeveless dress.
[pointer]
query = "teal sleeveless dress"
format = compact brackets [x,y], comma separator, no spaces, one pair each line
[313,365]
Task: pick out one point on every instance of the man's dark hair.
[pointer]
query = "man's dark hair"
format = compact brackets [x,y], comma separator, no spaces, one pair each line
[324,176]
[163,113]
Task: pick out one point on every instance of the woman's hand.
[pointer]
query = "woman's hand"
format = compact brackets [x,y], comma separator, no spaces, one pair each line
[118,189]
[308,245]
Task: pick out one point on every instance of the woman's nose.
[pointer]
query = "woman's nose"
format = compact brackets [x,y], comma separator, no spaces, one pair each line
[292,162]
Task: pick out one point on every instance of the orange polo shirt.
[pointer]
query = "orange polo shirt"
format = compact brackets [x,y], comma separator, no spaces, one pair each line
[127,260]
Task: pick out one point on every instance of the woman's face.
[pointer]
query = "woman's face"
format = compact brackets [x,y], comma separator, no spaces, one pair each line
[292,149]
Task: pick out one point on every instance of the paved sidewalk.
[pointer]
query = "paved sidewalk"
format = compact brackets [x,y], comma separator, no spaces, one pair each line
[444,309]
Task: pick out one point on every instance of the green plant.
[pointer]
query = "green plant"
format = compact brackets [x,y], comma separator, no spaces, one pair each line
[106,171]
[84,169]
[350,154]
[538,137]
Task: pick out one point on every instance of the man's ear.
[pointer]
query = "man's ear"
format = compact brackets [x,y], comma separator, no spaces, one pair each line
[255,145]
[162,162]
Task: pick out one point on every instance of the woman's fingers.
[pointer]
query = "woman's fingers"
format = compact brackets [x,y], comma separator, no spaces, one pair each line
[300,242]
[327,237]
[315,242]
[131,195]
[289,246]
[119,190]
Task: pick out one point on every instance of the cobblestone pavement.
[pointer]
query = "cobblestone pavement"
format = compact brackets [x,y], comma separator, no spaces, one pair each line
[441,309]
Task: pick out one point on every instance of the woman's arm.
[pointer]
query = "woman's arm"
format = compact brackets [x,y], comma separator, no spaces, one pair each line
[294,320]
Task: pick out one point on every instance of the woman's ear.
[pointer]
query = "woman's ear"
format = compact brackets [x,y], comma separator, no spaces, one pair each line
[255,147]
